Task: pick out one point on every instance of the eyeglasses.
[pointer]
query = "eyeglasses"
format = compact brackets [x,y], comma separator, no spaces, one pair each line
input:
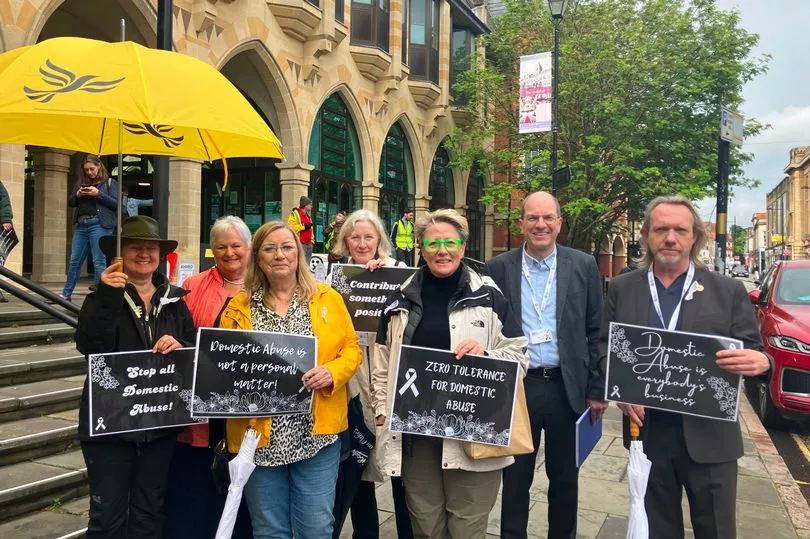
[271,249]
[434,246]
[534,219]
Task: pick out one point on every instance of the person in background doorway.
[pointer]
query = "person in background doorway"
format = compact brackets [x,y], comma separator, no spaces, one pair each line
[95,198]
[132,206]
[402,237]
[331,233]
[301,221]
[6,216]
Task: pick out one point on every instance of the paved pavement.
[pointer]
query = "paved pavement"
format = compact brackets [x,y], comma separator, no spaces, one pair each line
[769,504]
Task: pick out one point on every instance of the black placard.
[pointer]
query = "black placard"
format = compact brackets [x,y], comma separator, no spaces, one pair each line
[671,370]
[131,391]
[365,292]
[8,240]
[470,399]
[251,373]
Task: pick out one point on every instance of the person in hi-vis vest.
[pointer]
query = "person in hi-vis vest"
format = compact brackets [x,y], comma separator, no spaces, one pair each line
[301,221]
[402,237]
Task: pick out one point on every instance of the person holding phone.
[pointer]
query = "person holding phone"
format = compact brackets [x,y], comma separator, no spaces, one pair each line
[95,199]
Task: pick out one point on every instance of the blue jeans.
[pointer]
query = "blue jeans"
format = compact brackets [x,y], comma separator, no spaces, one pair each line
[296,499]
[85,241]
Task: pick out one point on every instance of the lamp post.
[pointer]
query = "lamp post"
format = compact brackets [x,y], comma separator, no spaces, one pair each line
[557,8]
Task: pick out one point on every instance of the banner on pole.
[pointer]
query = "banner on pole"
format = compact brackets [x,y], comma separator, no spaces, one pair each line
[535,93]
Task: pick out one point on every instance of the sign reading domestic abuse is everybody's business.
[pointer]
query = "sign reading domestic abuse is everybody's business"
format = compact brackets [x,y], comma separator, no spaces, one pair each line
[671,370]
[365,292]
[471,399]
[131,391]
[251,373]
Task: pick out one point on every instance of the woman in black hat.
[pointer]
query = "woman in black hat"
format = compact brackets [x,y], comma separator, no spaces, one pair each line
[134,308]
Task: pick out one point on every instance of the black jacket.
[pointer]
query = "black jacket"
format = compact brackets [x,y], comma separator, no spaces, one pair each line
[107,323]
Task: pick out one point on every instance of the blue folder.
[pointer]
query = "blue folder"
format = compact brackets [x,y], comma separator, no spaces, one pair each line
[587,435]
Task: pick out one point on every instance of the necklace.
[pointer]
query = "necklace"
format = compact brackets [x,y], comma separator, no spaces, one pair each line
[234,282]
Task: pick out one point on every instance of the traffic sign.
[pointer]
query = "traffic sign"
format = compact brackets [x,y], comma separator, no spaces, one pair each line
[732,126]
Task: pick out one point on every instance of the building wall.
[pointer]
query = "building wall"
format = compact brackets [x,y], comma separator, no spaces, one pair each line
[288,57]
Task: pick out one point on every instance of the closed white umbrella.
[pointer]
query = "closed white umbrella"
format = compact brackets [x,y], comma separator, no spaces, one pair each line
[638,473]
[240,467]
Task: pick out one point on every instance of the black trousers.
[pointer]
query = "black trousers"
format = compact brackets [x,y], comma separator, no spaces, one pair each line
[127,487]
[710,488]
[549,412]
[405,256]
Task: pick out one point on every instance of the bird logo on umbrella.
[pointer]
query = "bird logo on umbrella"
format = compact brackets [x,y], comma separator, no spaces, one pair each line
[65,81]
[158,131]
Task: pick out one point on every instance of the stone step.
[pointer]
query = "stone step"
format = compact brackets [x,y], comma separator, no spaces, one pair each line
[39,398]
[46,482]
[24,316]
[40,362]
[59,521]
[38,437]
[42,333]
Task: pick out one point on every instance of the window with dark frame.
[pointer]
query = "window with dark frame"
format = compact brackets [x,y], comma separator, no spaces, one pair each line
[462,46]
[370,23]
[396,177]
[405,40]
[340,12]
[441,188]
[423,44]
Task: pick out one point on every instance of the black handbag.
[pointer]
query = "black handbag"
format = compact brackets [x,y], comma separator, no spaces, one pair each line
[219,467]
[361,440]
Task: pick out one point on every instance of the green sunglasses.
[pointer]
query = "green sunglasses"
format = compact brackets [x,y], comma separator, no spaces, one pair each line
[434,246]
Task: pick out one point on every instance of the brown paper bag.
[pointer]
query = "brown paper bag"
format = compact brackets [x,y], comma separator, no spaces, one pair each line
[521,443]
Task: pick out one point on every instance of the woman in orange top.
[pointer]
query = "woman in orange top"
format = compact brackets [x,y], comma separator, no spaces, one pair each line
[292,490]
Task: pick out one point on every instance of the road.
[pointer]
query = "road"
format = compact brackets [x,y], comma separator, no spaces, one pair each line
[792,441]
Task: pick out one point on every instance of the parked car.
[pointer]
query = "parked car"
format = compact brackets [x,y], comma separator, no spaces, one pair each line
[739,271]
[782,306]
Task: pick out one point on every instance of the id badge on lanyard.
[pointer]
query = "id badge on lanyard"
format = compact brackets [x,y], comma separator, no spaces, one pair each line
[673,321]
[542,335]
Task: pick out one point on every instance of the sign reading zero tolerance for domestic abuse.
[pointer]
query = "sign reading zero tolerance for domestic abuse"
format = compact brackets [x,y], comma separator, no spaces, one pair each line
[470,399]
[251,373]
[671,370]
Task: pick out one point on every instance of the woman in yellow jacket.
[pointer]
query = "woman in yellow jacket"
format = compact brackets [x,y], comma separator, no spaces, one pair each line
[292,491]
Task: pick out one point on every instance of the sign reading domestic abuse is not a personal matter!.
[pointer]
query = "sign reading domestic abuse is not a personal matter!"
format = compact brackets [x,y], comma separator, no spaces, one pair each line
[240,373]
[132,391]
[365,292]
[671,370]
[471,399]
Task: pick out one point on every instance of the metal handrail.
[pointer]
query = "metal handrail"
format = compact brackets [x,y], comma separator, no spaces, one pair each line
[35,301]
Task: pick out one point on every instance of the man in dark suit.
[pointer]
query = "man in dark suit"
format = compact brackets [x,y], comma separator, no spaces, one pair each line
[672,291]
[556,291]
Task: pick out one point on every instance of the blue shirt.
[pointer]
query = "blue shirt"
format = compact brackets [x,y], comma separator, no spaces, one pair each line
[545,354]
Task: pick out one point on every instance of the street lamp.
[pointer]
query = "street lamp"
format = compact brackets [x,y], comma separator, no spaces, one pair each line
[557,8]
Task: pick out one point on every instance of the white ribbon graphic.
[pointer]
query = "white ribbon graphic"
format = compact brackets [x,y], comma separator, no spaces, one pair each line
[410,378]
[615,392]
[100,424]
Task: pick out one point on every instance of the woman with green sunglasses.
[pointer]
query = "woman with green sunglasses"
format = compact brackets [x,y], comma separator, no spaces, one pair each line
[448,306]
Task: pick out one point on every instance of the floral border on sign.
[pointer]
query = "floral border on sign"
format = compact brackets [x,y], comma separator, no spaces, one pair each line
[724,394]
[339,280]
[239,403]
[101,374]
[451,426]
[620,346]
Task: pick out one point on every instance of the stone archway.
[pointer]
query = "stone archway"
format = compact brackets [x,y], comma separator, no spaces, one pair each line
[97,19]
[619,252]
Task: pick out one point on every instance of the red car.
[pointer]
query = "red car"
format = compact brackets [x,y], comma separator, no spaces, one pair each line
[782,306]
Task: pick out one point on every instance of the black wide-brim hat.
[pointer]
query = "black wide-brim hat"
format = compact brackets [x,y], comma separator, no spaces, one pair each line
[139,227]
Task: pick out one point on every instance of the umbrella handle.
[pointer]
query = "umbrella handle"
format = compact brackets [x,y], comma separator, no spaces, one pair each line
[635,431]
[120,261]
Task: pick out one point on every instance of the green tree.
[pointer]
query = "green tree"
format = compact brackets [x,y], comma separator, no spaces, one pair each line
[739,236]
[641,87]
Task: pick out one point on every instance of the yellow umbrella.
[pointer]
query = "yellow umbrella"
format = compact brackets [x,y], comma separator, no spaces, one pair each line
[72,93]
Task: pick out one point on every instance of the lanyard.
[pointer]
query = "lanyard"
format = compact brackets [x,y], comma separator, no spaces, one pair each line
[654,293]
[552,274]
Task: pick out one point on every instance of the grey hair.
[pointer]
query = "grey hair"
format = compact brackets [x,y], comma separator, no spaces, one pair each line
[384,248]
[230,222]
[523,204]
[446,215]
[698,228]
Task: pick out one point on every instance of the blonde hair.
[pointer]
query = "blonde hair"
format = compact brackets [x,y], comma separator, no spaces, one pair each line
[257,280]
[446,215]
[698,228]
[341,247]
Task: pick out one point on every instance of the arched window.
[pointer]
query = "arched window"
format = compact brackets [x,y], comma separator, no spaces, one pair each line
[475,215]
[396,177]
[334,151]
[440,187]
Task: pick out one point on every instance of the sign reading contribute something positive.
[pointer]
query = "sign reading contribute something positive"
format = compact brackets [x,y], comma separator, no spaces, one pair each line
[131,391]
[251,373]
[365,292]
[470,399]
[671,370]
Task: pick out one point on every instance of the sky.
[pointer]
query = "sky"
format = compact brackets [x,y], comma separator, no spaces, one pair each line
[781,97]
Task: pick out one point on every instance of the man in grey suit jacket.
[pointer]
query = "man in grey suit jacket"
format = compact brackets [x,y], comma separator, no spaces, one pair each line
[557,293]
[690,452]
